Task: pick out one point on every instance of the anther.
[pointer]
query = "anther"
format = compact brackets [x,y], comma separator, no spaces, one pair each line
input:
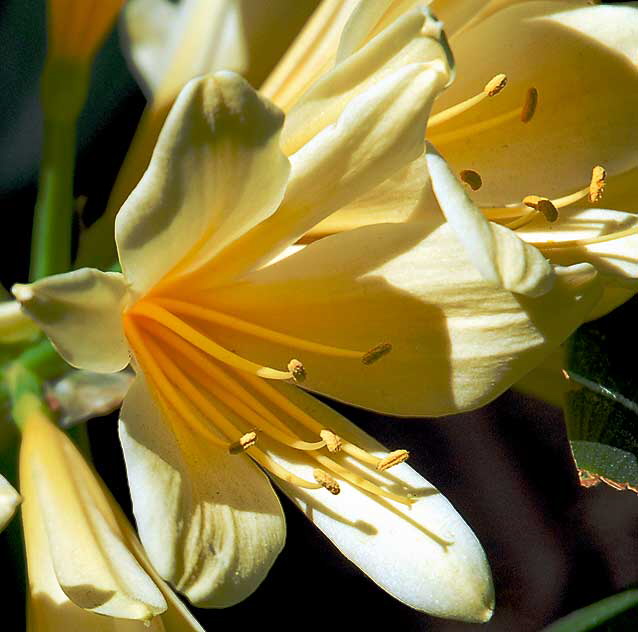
[245,441]
[297,370]
[333,442]
[472,179]
[495,85]
[325,480]
[394,458]
[376,353]
[529,107]
[597,184]
[542,205]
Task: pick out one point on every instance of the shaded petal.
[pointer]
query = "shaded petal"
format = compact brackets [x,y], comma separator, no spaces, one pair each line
[216,171]
[80,312]
[498,253]
[378,133]
[9,501]
[210,522]
[458,341]
[616,258]
[425,556]
[88,553]
[414,38]
[581,119]
[15,325]
[546,382]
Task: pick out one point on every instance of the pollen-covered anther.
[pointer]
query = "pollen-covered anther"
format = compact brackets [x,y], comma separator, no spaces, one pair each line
[495,85]
[597,184]
[297,370]
[392,459]
[471,178]
[325,480]
[245,441]
[529,107]
[333,441]
[376,353]
[542,205]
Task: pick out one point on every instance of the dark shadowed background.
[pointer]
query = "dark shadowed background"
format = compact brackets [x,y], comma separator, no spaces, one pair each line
[553,546]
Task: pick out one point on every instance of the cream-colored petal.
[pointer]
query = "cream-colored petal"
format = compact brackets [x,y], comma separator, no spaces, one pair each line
[80,311]
[498,253]
[88,554]
[581,120]
[546,382]
[15,325]
[210,522]
[458,341]
[9,501]
[615,258]
[217,170]
[414,38]
[378,133]
[425,556]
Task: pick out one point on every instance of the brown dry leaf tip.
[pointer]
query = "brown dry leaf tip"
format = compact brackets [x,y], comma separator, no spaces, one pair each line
[392,459]
[495,85]
[472,179]
[529,107]
[245,442]
[542,205]
[333,442]
[297,370]
[325,480]
[597,184]
[587,479]
[376,353]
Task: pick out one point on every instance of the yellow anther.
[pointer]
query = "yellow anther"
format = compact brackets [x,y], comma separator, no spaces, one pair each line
[297,370]
[333,442]
[597,184]
[325,480]
[394,458]
[495,85]
[529,107]
[376,353]
[245,442]
[472,179]
[542,205]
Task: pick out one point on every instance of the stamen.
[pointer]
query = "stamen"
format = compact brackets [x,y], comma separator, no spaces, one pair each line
[333,442]
[472,179]
[394,458]
[170,321]
[597,184]
[325,480]
[529,107]
[542,205]
[274,468]
[491,89]
[297,369]
[245,441]
[376,353]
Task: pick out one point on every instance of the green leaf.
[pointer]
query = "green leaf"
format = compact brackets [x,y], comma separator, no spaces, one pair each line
[602,411]
[592,616]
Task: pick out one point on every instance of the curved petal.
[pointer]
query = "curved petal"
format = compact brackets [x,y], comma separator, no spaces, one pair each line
[378,133]
[498,253]
[617,257]
[217,170]
[210,522]
[425,556]
[413,38]
[15,325]
[80,311]
[581,119]
[88,552]
[458,341]
[9,501]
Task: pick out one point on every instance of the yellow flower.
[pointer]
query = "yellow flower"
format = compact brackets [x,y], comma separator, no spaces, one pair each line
[219,333]
[83,558]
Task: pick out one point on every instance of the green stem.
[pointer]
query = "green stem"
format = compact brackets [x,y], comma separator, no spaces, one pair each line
[52,223]
[44,360]
[25,391]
